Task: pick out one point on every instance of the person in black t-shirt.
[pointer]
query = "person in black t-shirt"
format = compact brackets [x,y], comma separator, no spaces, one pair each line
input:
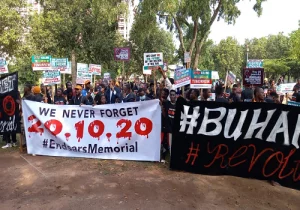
[220,95]
[88,99]
[194,95]
[59,99]
[247,94]
[168,114]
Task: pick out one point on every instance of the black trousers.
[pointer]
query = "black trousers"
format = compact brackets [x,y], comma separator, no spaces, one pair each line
[10,138]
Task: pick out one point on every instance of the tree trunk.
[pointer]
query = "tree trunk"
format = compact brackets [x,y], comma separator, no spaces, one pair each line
[74,68]
[198,50]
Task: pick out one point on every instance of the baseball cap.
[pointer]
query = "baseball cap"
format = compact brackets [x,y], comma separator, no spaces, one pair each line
[78,87]
[87,82]
[36,90]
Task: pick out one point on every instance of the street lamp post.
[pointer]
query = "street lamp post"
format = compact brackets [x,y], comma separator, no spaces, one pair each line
[247,53]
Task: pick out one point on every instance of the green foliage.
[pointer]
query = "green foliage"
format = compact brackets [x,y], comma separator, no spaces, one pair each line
[87,28]
[228,57]
[191,18]
[275,67]
[11,26]
[149,39]
[295,44]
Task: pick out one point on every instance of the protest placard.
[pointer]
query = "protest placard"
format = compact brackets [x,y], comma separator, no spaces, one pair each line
[51,77]
[254,76]
[122,53]
[3,66]
[95,69]
[256,140]
[285,88]
[146,70]
[41,62]
[153,59]
[201,79]
[127,131]
[106,76]
[231,77]
[182,77]
[83,73]
[9,109]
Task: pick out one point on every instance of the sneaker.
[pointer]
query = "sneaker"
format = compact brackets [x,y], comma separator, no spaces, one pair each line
[7,146]
[14,145]
[163,161]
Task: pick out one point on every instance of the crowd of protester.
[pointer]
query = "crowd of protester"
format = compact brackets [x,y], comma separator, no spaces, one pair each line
[112,91]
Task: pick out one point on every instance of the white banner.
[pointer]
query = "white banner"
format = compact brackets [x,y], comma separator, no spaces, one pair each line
[127,131]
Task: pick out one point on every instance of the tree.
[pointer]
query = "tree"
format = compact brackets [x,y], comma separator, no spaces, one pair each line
[228,56]
[295,44]
[195,16]
[81,30]
[207,59]
[12,25]
[149,39]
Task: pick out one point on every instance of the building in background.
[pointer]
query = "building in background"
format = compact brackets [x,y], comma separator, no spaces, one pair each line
[125,24]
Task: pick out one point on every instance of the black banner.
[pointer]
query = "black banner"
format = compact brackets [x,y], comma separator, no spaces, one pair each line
[9,108]
[257,140]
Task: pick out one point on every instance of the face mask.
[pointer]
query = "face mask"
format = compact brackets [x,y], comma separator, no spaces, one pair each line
[143,97]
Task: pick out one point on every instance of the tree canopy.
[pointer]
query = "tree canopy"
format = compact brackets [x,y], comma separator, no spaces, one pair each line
[194,18]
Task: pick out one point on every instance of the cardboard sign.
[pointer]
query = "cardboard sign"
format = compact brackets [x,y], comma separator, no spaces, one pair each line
[41,62]
[215,75]
[67,70]
[83,73]
[253,77]
[201,79]
[182,77]
[9,109]
[187,57]
[255,63]
[51,77]
[153,59]
[231,77]
[252,140]
[122,54]
[106,76]
[3,66]
[95,69]
[285,88]
[59,63]
[146,70]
